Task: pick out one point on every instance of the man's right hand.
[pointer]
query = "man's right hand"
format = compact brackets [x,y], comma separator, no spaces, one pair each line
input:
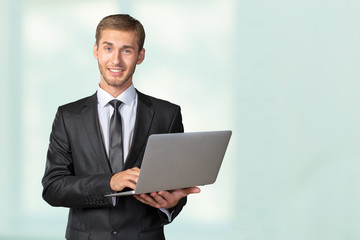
[127,178]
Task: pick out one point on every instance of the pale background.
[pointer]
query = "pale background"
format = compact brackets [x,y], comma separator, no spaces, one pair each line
[283,75]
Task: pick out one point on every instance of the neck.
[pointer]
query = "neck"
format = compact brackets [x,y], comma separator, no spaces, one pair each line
[114,91]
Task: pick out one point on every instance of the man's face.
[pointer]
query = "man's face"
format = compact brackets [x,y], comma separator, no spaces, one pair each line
[117,55]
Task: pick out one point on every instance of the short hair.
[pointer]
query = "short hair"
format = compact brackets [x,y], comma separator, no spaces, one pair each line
[122,22]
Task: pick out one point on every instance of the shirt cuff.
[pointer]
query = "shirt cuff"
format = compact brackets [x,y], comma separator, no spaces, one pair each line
[113,201]
[167,213]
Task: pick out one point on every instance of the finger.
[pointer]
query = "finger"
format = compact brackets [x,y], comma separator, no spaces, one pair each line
[152,201]
[166,195]
[126,175]
[124,179]
[186,191]
[149,200]
[129,181]
[134,171]
[159,199]
[130,177]
[192,190]
[129,184]
[170,199]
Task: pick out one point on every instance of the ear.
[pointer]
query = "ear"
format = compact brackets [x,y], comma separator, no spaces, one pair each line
[141,56]
[95,51]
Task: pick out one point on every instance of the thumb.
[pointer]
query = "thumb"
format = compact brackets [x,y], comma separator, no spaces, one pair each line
[192,190]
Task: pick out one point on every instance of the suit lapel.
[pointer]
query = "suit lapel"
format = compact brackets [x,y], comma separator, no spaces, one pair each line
[144,118]
[91,122]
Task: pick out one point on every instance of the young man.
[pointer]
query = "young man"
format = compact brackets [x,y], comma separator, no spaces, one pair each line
[90,156]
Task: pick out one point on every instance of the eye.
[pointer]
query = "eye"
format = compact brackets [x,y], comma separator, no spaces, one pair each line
[108,49]
[127,51]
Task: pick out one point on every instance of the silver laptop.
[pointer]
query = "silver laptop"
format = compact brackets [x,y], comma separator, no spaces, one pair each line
[180,160]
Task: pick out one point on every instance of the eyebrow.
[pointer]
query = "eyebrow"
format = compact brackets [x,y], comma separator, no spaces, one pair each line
[127,46]
[111,44]
[107,43]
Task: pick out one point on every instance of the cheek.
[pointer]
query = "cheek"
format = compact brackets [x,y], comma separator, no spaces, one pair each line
[131,61]
[102,59]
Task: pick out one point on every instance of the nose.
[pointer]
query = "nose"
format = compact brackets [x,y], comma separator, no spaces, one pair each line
[116,57]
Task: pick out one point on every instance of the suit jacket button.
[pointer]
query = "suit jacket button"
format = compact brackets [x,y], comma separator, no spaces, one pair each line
[114,232]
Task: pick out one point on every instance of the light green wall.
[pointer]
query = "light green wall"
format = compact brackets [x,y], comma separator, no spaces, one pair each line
[283,75]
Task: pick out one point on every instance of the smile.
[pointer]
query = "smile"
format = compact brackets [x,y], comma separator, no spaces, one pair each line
[115,70]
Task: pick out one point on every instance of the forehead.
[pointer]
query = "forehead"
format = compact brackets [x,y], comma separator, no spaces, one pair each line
[114,36]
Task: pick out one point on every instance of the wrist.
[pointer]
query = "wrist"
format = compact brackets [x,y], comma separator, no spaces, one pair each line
[112,183]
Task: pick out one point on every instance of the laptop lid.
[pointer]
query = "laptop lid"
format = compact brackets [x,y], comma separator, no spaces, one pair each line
[180,160]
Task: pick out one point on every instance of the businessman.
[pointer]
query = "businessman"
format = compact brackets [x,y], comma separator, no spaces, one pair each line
[97,145]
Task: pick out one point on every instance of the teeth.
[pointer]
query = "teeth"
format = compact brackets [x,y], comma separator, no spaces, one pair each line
[115,70]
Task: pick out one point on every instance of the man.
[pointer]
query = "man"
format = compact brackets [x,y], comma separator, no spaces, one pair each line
[87,160]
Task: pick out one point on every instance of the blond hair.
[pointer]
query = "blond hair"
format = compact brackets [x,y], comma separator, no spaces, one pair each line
[122,22]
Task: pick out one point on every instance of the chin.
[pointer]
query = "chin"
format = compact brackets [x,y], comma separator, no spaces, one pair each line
[117,83]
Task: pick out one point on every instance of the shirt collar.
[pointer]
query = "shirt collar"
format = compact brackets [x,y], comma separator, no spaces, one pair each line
[127,97]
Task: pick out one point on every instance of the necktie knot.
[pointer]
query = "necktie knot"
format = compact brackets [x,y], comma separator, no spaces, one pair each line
[115,103]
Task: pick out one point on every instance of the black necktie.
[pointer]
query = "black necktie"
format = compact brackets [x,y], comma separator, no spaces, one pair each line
[115,138]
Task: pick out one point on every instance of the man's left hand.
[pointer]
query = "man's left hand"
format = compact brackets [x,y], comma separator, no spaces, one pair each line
[166,199]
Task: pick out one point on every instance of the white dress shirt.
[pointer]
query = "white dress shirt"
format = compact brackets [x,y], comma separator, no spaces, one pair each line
[128,117]
[127,112]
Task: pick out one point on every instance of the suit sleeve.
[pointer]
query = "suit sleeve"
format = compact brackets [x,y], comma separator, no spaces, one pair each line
[176,125]
[61,187]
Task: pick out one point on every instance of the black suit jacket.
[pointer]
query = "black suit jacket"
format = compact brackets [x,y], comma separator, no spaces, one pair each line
[78,172]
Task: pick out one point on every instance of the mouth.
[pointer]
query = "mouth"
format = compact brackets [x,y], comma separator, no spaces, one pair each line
[116,71]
